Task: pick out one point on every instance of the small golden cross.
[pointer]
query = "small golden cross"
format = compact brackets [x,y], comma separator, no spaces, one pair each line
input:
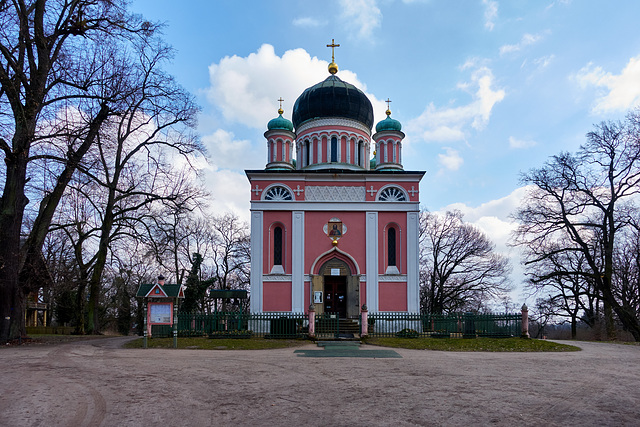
[332,46]
[388,101]
[280,101]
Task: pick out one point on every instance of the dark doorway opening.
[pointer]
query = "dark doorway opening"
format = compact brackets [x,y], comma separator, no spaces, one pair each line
[335,295]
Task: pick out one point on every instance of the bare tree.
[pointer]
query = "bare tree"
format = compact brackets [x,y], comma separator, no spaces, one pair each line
[133,160]
[626,270]
[459,267]
[52,58]
[563,277]
[585,198]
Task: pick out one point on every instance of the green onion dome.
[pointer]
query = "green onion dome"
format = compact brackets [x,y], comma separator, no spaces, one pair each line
[388,124]
[280,123]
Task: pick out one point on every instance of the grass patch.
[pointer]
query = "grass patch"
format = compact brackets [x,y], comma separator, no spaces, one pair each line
[198,343]
[478,344]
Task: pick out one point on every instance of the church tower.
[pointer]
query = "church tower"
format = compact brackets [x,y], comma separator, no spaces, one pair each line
[333,229]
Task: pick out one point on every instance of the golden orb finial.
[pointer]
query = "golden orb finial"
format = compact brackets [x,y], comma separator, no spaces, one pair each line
[388,112]
[280,110]
[335,242]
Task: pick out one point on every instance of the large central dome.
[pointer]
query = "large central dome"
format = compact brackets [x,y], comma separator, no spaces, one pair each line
[333,98]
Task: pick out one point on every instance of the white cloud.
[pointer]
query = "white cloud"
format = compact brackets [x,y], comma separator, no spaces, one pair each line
[619,92]
[521,143]
[527,40]
[364,15]
[230,191]
[543,61]
[229,153]
[450,123]
[493,218]
[490,13]
[308,22]
[499,208]
[451,160]
[246,89]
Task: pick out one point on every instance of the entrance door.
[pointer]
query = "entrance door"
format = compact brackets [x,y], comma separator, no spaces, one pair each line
[335,295]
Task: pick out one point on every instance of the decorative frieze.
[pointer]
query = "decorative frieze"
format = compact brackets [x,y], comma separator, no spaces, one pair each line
[335,194]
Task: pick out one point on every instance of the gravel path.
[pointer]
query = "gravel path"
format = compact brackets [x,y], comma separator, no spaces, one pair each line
[92,383]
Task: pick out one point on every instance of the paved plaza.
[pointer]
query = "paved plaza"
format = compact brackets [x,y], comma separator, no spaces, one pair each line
[92,383]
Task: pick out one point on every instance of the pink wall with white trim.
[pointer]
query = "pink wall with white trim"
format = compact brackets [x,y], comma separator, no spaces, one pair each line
[276,296]
[392,296]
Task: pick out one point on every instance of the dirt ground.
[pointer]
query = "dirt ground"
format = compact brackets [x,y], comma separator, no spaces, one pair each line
[92,383]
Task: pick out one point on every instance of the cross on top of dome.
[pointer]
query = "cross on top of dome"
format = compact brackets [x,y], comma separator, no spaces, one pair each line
[333,67]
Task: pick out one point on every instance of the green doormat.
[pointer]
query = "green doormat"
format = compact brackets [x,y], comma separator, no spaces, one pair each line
[347,349]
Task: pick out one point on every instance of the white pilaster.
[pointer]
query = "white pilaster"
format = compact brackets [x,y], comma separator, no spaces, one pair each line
[297,262]
[413,287]
[372,261]
[256,261]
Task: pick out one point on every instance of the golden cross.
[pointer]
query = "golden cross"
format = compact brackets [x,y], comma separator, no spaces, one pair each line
[332,46]
[280,110]
[388,101]
[280,100]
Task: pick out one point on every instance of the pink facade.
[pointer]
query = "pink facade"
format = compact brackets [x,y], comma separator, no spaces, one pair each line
[334,230]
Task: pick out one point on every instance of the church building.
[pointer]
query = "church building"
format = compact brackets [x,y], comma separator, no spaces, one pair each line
[330,228]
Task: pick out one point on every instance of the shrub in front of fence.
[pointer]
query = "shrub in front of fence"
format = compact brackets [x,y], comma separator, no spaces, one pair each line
[407,333]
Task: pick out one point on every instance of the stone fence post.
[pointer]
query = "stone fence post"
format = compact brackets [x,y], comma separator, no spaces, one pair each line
[312,321]
[364,322]
[525,322]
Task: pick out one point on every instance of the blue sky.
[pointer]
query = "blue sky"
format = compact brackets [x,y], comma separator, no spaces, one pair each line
[484,89]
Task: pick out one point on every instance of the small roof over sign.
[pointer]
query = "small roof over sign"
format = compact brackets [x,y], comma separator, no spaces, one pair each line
[166,290]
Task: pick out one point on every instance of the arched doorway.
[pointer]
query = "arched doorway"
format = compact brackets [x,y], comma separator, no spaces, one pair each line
[340,288]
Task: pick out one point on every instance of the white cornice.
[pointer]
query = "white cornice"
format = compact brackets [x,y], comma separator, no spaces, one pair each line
[276,277]
[392,278]
[363,176]
[332,121]
[259,205]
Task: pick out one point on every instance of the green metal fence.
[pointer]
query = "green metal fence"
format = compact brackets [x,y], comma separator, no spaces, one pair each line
[329,325]
[455,325]
[243,325]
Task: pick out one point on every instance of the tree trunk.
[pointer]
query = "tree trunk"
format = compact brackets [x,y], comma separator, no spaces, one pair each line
[98,268]
[80,323]
[12,204]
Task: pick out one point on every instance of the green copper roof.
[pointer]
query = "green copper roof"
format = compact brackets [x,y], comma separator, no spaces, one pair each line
[172,291]
[280,123]
[388,124]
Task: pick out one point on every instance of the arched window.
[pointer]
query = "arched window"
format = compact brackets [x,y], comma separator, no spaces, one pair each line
[334,149]
[278,193]
[392,194]
[391,247]
[307,152]
[277,246]
[356,153]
